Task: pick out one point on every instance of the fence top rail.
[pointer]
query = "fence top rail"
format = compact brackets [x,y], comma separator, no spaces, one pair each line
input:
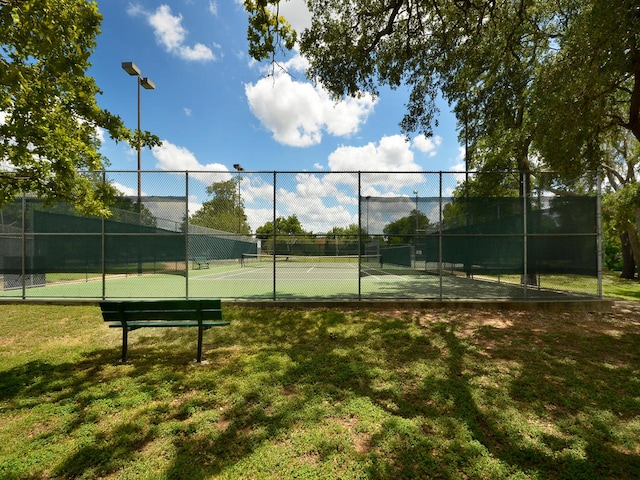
[333,172]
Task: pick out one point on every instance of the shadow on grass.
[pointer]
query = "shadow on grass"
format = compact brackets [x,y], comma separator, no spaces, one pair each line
[276,373]
[319,370]
[560,379]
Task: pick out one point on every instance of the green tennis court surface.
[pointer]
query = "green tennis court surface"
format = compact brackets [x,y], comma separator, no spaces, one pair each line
[294,278]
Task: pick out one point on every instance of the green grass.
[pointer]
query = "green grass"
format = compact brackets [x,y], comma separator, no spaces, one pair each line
[322,394]
[612,285]
[616,287]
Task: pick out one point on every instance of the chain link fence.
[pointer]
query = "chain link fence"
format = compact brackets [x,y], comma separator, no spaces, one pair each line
[310,235]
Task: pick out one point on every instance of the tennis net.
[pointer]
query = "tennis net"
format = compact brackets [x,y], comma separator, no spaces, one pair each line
[308,261]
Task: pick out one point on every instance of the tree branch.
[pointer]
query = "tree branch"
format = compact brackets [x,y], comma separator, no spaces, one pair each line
[614,176]
[388,29]
[634,104]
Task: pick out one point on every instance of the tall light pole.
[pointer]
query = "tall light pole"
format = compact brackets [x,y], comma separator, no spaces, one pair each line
[415,237]
[132,69]
[368,197]
[415,192]
[239,169]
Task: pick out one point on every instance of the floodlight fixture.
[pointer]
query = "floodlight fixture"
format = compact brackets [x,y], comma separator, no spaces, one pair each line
[131,68]
[147,84]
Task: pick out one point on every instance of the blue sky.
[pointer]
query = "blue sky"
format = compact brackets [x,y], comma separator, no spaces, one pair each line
[214,107]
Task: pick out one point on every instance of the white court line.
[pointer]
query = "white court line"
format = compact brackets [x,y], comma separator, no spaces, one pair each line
[213,276]
[380,277]
[218,276]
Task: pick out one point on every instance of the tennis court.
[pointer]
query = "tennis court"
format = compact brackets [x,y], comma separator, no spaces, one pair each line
[433,245]
[293,277]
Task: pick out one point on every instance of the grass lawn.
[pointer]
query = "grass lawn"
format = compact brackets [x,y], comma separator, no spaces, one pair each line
[615,287]
[323,394]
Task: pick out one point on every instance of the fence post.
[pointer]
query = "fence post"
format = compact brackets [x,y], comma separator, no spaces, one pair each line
[360,235]
[599,231]
[274,234]
[186,234]
[525,205]
[23,265]
[104,246]
[440,262]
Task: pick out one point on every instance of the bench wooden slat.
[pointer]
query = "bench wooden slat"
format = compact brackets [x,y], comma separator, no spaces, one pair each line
[168,323]
[158,315]
[131,315]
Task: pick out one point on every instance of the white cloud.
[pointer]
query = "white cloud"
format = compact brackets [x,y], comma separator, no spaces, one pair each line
[391,154]
[313,211]
[198,52]
[171,34]
[175,158]
[298,113]
[135,9]
[459,175]
[297,63]
[127,191]
[100,133]
[296,13]
[168,28]
[427,145]
[213,8]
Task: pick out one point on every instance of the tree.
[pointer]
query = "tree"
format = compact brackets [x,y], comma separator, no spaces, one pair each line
[48,111]
[592,88]
[513,71]
[405,229]
[225,211]
[288,231]
[621,203]
[345,240]
[268,31]
[284,226]
[534,84]
[352,232]
[125,209]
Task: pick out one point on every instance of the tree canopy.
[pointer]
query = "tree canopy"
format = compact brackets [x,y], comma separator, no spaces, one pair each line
[285,226]
[403,230]
[49,117]
[288,231]
[513,71]
[534,84]
[224,211]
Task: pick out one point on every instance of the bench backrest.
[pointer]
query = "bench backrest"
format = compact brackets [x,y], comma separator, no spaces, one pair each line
[114,311]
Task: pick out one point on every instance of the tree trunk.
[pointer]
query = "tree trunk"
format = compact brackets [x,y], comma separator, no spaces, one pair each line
[632,233]
[628,264]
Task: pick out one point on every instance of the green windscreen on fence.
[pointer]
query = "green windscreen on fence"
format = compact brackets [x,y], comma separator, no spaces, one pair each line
[395,245]
[490,235]
[63,242]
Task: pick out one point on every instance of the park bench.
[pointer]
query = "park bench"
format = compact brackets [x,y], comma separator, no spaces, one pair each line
[202,262]
[131,315]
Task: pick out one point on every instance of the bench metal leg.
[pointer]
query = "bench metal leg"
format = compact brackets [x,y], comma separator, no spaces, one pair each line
[199,357]
[125,338]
